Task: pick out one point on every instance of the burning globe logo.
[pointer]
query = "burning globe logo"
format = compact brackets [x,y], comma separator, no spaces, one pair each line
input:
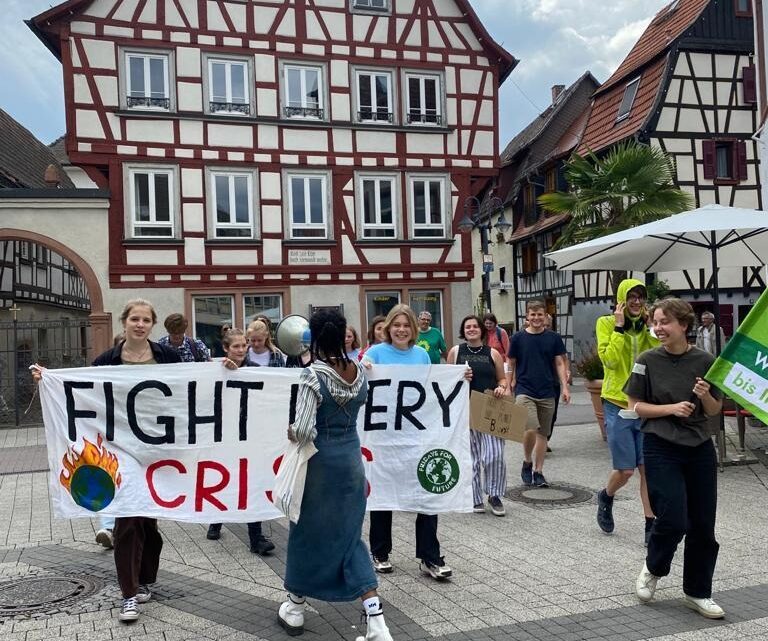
[91,477]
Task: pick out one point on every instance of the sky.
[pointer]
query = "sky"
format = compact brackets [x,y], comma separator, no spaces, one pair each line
[556,41]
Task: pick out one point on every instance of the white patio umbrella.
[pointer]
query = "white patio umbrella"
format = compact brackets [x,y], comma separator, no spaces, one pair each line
[711,236]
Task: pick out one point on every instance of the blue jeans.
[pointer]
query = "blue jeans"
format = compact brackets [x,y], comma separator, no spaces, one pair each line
[625,440]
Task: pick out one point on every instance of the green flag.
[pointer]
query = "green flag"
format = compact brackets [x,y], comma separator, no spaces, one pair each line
[741,371]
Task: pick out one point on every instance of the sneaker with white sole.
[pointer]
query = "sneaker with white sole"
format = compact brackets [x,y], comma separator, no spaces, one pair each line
[290,616]
[144,594]
[705,607]
[437,572]
[129,611]
[382,566]
[479,508]
[104,538]
[645,585]
[497,507]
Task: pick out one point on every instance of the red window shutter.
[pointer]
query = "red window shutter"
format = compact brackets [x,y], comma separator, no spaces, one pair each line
[708,149]
[749,86]
[740,153]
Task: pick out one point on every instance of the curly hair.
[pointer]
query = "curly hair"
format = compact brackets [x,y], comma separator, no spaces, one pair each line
[328,329]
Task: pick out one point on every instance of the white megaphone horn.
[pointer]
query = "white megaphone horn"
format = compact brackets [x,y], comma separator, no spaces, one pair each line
[292,335]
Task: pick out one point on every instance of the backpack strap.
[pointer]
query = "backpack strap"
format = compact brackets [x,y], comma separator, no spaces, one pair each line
[194,350]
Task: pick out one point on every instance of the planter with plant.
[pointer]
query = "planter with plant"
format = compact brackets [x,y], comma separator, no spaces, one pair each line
[591,368]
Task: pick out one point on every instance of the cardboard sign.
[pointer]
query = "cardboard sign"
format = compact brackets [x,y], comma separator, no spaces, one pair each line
[497,416]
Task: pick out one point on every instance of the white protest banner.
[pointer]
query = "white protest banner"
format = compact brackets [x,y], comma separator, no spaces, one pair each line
[200,443]
[414,431]
[189,442]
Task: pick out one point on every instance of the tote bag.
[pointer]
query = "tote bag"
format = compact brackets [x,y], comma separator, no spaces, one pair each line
[290,479]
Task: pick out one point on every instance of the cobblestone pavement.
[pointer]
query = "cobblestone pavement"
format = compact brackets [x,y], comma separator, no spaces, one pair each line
[543,572]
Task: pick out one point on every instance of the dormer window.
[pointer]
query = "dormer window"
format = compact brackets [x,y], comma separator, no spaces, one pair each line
[630,91]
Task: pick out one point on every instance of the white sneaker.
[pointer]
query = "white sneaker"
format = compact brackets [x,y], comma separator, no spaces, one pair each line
[382,566]
[375,628]
[104,538]
[438,572]
[645,585]
[705,607]
[144,594]
[291,616]
[129,611]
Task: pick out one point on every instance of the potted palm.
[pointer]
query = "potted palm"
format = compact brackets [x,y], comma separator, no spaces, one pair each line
[591,368]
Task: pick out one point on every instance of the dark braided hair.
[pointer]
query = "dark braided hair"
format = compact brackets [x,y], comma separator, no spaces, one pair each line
[328,329]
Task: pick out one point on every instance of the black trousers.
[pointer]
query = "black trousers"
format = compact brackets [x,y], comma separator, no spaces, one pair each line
[427,545]
[682,486]
[254,531]
[137,552]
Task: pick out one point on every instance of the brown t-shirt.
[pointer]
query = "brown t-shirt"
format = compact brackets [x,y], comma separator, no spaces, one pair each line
[662,378]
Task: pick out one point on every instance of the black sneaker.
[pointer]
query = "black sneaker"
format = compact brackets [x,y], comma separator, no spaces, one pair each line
[527,473]
[262,546]
[497,507]
[539,480]
[214,532]
[605,512]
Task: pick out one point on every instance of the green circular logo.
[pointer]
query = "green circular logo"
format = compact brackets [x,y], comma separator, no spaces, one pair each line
[438,471]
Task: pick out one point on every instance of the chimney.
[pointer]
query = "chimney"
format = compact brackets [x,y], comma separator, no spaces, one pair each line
[556,91]
[52,176]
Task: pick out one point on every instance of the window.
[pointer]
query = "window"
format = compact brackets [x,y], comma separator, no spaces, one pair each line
[147,83]
[303,92]
[228,86]
[151,202]
[428,207]
[307,200]
[630,91]
[530,259]
[270,306]
[428,302]
[530,204]
[749,85]
[424,99]
[374,96]
[742,8]
[232,203]
[371,5]
[379,303]
[725,160]
[377,196]
[209,313]
[550,180]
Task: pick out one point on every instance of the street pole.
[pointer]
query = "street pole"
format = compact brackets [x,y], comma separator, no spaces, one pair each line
[486,280]
[15,310]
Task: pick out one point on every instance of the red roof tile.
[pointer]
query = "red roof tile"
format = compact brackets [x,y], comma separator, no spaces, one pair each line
[602,129]
[544,222]
[661,32]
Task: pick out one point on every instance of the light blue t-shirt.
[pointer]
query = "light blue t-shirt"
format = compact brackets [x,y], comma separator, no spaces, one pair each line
[387,354]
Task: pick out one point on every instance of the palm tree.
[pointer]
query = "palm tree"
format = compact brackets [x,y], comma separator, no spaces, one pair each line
[631,185]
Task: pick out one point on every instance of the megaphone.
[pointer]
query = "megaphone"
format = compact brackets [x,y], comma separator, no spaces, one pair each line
[292,335]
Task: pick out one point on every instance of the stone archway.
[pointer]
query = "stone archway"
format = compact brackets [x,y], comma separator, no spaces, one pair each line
[101,321]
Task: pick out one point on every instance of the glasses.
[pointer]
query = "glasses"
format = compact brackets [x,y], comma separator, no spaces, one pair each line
[635,297]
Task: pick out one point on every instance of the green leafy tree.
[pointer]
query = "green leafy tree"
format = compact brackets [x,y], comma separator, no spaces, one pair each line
[631,185]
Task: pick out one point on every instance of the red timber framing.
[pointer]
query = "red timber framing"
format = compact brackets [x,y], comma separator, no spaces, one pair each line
[433,143]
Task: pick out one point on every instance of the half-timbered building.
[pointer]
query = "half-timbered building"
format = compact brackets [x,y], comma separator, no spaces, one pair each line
[688,87]
[760,19]
[532,165]
[277,155]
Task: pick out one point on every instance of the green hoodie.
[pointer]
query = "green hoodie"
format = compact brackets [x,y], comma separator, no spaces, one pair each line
[619,350]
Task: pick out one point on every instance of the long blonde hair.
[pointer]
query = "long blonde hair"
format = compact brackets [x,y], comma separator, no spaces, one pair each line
[261,326]
[406,311]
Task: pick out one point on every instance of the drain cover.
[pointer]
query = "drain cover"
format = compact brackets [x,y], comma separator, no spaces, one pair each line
[40,593]
[556,495]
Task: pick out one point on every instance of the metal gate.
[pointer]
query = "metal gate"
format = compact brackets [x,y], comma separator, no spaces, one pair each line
[54,344]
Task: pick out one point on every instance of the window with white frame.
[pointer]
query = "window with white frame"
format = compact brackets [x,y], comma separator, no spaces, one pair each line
[628,98]
[371,5]
[147,82]
[269,305]
[303,91]
[307,197]
[151,202]
[232,203]
[374,96]
[228,86]
[377,196]
[424,99]
[428,206]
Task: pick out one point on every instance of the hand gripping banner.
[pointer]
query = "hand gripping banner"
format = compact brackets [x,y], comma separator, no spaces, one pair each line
[197,442]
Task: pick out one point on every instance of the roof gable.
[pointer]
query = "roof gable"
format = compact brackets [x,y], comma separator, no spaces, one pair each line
[666,27]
